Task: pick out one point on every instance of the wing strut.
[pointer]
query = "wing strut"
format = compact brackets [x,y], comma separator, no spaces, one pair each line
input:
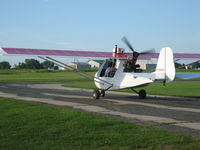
[79,72]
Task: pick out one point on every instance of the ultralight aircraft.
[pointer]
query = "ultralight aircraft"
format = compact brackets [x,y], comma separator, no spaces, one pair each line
[120,70]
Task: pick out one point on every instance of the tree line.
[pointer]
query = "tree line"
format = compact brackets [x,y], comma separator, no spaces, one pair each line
[29,64]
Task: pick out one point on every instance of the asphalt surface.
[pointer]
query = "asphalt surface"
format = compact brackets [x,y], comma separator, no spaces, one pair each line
[180,115]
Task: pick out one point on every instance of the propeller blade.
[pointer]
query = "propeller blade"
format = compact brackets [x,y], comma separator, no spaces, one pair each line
[125,40]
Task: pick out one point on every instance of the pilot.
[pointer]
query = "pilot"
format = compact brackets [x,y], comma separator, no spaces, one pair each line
[110,71]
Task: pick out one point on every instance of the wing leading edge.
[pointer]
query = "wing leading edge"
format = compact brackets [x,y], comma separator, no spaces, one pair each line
[49,52]
[73,53]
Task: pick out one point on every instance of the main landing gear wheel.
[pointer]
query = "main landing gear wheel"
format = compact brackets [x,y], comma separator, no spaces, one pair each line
[102,93]
[142,94]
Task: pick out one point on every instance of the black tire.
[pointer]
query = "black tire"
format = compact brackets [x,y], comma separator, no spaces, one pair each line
[142,94]
[102,93]
[96,94]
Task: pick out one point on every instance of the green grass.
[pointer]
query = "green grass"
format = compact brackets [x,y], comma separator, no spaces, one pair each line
[42,75]
[25,125]
[183,88]
[39,76]
[176,88]
[188,70]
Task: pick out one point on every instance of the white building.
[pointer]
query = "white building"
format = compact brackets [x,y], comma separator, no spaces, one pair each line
[79,65]
[193,65]
[95,63]
[146,64]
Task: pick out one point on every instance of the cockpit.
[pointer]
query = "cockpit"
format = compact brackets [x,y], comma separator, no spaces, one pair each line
[108,68]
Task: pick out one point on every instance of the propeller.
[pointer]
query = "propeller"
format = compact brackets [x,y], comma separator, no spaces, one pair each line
[131,65]
[125,40]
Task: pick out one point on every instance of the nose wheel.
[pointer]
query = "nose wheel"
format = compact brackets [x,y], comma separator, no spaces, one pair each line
[97,93]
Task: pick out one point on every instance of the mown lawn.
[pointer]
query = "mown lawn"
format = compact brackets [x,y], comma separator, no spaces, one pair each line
[176,88]
[30,75]
[43,75]
[25,125]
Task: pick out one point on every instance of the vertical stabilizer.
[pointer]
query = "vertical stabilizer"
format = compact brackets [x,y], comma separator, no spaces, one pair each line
[165,69]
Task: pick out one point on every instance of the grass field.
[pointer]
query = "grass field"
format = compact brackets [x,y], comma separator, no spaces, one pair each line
[176,88]
[25,125]
[182,88]
[39,76]
[188,70]
[31,75]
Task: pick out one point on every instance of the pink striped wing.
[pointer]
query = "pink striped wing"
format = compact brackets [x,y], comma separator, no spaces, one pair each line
[49,52]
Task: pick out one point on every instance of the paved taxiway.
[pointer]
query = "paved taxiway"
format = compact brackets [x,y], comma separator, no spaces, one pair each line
[181,115]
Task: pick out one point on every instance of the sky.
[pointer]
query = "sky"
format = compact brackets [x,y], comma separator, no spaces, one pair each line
[98,25]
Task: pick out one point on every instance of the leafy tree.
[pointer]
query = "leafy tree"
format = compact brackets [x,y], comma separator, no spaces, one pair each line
[56,68]
[29,64]
[196,65]
[33,64]
[20,66]
[47,64]
[178,65]
[5,65]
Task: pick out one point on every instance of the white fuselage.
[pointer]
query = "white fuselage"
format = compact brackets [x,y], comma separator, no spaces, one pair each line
[165,72]
[121,79]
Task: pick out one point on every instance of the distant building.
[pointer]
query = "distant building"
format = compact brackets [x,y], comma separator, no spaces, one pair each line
[193,65]
[146,64]
[79,65]
[95,63]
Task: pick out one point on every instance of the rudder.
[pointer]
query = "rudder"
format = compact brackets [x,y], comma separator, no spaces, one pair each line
[165,68]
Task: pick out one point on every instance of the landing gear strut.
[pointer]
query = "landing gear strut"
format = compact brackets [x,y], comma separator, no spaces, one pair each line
[142,93]
[102,93]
